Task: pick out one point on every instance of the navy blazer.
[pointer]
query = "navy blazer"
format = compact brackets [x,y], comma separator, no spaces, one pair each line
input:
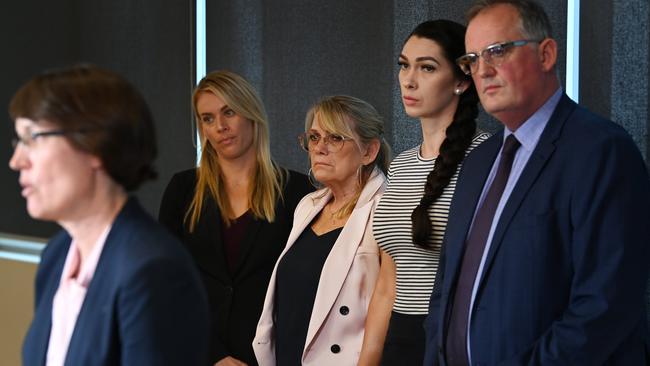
[144,305]
[564,279]
[235,299]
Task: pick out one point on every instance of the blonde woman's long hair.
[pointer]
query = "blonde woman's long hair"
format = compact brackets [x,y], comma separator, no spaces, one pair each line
[356,119]
[266,186]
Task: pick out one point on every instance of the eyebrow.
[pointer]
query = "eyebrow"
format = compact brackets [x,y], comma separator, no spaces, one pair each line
[421,58]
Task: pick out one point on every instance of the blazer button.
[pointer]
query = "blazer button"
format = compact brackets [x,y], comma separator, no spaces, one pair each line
[335,348]
[344,310]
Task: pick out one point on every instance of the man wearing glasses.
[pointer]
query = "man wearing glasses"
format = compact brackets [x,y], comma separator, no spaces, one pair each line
[546,254]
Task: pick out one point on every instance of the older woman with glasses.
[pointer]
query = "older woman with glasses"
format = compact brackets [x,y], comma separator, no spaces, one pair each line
[113,287]
[317,300]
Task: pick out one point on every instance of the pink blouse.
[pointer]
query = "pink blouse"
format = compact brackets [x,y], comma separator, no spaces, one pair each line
[69,297]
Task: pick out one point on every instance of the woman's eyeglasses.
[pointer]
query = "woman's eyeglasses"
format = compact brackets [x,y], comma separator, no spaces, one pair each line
[333,142]
[28,139]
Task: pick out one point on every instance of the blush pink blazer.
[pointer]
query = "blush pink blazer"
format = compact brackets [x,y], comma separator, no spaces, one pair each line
[347,280]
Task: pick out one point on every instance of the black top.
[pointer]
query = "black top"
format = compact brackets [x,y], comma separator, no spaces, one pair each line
[236,299]
[296,285]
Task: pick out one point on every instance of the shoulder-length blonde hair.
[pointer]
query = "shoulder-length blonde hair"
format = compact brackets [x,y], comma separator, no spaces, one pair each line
[266,186]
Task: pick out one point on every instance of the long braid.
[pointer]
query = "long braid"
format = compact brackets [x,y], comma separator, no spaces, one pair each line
[459,136]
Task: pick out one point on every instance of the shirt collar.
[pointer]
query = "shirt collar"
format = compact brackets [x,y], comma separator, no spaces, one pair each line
[82,273]
[529,132]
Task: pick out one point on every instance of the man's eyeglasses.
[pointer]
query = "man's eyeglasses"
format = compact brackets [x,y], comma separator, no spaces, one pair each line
[493,55]
[28,139]
[334,142]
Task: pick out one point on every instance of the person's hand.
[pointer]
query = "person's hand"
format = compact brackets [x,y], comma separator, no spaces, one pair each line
[230,361]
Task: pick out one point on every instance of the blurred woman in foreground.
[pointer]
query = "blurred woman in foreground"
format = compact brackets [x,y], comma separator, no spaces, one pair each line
[113,287]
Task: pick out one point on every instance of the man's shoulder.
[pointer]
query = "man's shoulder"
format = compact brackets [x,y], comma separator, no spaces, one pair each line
[587,129]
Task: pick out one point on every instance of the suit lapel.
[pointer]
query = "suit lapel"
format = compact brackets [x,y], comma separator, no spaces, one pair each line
[538,159]
[207,246]
[42,323]
[339,261]
[336,269]
[464,204]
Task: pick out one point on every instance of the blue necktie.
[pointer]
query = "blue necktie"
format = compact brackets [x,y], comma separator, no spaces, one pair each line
[456,344]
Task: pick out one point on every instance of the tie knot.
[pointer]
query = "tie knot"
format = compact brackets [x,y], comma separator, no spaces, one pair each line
[511,145]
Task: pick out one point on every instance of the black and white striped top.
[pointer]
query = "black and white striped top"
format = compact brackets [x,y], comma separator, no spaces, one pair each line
[415,267]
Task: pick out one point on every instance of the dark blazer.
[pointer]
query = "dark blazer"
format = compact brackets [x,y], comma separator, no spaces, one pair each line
[565,275]
[144,306]
[236,300]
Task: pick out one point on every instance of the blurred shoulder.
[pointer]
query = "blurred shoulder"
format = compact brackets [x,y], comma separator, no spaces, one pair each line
[137,234]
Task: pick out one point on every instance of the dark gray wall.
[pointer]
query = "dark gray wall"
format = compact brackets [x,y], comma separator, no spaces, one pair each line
[35,35]
[148,42]
[295,52]
[615,60]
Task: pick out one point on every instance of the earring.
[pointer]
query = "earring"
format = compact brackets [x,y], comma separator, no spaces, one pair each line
[458,91]
[312,179]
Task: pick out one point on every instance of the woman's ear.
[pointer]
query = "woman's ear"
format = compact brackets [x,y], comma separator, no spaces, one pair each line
[95,162]
[461,86]
[372,149]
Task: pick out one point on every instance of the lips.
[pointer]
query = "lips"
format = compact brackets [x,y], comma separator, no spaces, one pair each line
[409,101]
[320,163]
[26,189]
[490,88]
[226,140]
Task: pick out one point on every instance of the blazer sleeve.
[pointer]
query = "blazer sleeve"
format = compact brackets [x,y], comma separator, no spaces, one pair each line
[610,256]
[163,314]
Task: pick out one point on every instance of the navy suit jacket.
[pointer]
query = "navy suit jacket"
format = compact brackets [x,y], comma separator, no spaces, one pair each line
[565,276]
[145,304]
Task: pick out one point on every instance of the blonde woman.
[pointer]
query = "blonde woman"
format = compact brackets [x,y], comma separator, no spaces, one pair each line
[316,304]
[234,211]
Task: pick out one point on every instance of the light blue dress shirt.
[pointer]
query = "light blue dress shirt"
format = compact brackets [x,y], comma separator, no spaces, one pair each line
[528,135]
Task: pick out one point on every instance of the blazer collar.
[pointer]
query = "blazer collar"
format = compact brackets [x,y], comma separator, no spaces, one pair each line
[208,242]
[339,261]
[97,295]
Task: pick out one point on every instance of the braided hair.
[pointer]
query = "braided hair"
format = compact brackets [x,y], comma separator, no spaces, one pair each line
[450,37]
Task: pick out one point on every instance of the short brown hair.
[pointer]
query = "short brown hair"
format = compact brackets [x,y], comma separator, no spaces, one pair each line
[106,115]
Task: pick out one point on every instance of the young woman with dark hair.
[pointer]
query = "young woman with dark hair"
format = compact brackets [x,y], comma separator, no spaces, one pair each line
[410,221]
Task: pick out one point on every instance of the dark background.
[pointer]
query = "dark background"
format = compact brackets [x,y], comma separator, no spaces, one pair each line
[293,52]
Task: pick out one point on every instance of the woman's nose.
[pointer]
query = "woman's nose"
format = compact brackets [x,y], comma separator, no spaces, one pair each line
[18,159]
